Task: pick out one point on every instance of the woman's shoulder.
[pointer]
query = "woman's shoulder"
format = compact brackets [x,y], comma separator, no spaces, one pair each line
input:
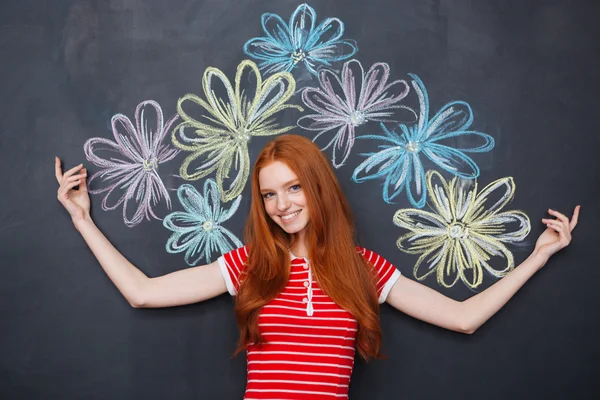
[239,255]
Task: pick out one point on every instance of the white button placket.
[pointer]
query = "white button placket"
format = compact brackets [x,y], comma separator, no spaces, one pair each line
[309,306]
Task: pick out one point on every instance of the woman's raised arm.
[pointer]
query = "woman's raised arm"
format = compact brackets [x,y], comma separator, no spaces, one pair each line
[430,306]
[187,286]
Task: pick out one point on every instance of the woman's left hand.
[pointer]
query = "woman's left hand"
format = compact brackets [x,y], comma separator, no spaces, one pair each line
[557,234]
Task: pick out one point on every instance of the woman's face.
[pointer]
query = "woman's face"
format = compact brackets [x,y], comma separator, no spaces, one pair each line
[284,198]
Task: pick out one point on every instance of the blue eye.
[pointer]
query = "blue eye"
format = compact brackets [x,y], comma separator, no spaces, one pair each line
[267,195]
[295,188]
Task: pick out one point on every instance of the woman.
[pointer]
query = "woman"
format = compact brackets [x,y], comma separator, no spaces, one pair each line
[307,297]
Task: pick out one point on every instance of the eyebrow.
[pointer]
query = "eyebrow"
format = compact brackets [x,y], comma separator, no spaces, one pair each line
[288,183]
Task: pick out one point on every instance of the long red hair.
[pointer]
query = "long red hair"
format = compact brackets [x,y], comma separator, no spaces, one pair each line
[342,273]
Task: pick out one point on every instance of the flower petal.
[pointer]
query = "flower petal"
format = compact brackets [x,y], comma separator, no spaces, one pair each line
[419,88]
[420,222]
[454,116]
[439,195]
[416,188]
[448,264]
[430,261]
[107,154]
[302,26]
[149,123]
[117,182]
[376,94]
[193,202]
[225,112]
[224,245]
[413,243]
[508,227]
[344,140]
[139,193]
[330,52]
[466,141]
[270,98]
[384,162]
[274,57]
[491,200]
[227,214]
[127,138]
[238,162]
[212,200]
[330,98]
[191,128]
[353,76]
[453,161]
[488,247]
[198,249]
[317,122]
[183,222]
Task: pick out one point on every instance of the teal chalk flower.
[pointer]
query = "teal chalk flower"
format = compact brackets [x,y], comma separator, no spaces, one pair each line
[198,230]
[299,41]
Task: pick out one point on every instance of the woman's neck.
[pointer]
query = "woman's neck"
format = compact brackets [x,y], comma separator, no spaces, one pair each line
[298,246]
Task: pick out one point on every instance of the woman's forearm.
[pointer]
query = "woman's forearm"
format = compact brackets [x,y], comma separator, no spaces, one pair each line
[127,278]
[481,307]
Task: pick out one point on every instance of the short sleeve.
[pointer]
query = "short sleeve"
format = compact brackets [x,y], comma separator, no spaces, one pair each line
[232,266]
[387,273]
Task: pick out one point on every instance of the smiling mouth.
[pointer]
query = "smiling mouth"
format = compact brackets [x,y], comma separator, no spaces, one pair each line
[291,216]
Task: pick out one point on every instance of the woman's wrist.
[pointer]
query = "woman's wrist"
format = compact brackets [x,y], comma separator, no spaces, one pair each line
[82,221]
[538,258]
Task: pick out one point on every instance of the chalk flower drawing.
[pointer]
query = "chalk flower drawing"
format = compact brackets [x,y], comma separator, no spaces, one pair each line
[463,231]
[198,230]
[345,102]
[129,165]
[299,41]
[398,162]
[219,140]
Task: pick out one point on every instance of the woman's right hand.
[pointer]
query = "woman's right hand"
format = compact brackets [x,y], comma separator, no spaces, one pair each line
[76,201]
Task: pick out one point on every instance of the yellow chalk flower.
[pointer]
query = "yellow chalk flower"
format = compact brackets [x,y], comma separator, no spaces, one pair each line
[219,140]
[463,231]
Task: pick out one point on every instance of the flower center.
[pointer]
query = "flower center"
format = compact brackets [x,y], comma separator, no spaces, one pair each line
[412,147]
[458,231]
[357,118]
[150,164]
[242,135]
[298,55]
[207,225]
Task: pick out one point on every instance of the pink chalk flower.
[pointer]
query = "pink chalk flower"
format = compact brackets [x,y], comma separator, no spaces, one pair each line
[129,165]
[344,102]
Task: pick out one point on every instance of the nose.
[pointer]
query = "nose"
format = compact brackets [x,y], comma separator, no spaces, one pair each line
[283,203]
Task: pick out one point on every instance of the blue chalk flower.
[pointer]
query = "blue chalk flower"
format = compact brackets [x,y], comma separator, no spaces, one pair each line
[286,45]
[444,139]
[198,230]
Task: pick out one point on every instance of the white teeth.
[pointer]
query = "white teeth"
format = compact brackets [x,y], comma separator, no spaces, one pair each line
[290,216]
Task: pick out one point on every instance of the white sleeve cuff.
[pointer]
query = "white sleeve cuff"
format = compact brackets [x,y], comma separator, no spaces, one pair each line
[226,276]
[388,286]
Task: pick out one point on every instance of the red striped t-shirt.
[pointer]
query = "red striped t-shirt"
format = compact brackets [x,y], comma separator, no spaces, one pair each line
[309,352]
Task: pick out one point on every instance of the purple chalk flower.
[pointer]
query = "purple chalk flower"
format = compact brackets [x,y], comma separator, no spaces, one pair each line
[129,165]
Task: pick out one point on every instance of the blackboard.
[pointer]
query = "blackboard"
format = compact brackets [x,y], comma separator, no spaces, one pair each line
[529,72]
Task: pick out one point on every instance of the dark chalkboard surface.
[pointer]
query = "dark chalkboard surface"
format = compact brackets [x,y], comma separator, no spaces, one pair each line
[529,72]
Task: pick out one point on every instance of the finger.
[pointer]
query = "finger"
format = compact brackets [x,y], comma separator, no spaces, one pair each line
[57,170]
[560,216]
[73,170]
[559,228]
[574,218]
[83,183]
[75,178]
